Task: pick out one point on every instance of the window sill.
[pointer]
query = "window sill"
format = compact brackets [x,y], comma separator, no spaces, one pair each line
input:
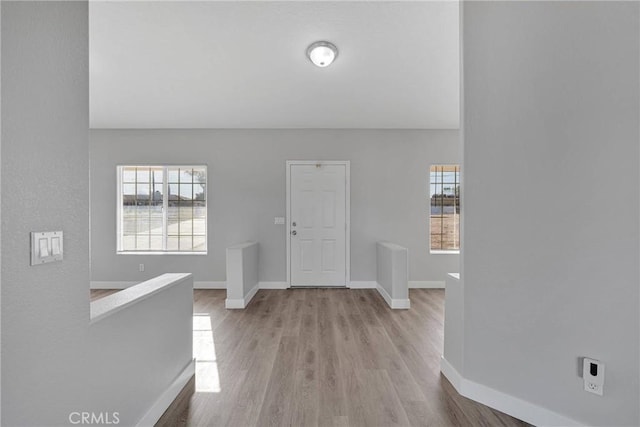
[158,253]
[456,252]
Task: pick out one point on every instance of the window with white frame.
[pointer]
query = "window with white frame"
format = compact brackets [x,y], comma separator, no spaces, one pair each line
[162,209]
[444,194]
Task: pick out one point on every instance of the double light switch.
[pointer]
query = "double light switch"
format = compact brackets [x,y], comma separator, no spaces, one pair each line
[46,246]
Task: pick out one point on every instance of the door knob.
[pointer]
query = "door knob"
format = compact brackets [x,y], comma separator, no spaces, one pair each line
[293,224]
[294,232]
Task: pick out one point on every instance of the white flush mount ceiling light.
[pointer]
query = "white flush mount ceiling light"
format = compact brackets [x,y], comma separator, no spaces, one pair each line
[322,53]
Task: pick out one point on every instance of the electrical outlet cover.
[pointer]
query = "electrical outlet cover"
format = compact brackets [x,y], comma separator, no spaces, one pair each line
[593,375]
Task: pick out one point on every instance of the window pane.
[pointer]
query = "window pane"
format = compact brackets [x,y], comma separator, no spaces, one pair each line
[142,224]
[173,194]
[186,215]
[142,243]
[449,235]
[142,174]
[199,226]
[156,243]
[173,175]
[173,219]
[186,191]
[142,194]
[199,243]
[199,192]
[129,242]
[186,175]
[436,224]
[449,177]
[186,243]
[158,175]
[199,175]
[172,243]
[129,190]
[186,227]
[155,221]
[155,189]
[128,174]
[129,224]
[436,242]
[456,223]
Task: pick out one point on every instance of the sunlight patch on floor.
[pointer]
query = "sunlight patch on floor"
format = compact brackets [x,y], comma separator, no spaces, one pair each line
[204,351]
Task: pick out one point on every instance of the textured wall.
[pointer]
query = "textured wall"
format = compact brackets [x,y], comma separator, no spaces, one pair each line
[45,185]
[550,270]
[389,194]
[53,363]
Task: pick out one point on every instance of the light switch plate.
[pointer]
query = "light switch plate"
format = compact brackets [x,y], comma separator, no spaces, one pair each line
[46,246]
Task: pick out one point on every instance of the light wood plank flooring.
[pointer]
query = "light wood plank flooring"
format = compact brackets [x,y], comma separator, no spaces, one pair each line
[101,293]
[325,357]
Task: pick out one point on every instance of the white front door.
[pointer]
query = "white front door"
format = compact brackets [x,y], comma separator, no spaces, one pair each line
[318,224]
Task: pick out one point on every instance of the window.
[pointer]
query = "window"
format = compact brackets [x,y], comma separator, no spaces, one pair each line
[162,209]
[445,208]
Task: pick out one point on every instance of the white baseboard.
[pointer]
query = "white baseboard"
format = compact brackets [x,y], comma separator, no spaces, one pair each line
[96,284]
[413,284]
[209,285]
[426,284]
[393,303]
[242,303]
[168,396]
[451,373]
[510,405]
[232,304]
[273,285]
[363,285]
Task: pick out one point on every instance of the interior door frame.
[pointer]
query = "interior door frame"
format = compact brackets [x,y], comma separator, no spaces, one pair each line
[347,165]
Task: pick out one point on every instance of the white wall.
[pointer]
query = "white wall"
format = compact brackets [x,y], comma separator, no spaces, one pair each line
[452,350]
[0,216]
[242,274]
[53,363]
[389,194]
[392,271]
[551,215]
[138,350]
[45,164]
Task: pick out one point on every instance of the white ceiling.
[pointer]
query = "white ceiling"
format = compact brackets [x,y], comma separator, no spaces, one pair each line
[242,64]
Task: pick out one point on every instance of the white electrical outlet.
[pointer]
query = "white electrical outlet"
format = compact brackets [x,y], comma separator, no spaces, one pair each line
[141,267]
[593,375]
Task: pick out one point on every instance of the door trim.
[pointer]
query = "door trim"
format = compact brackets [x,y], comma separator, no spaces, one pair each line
[347,165]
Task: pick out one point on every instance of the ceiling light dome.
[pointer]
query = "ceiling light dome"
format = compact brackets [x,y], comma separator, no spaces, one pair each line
[322,53]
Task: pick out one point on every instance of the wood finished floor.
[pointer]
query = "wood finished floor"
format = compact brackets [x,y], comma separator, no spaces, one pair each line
[101,293]
[325,357]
